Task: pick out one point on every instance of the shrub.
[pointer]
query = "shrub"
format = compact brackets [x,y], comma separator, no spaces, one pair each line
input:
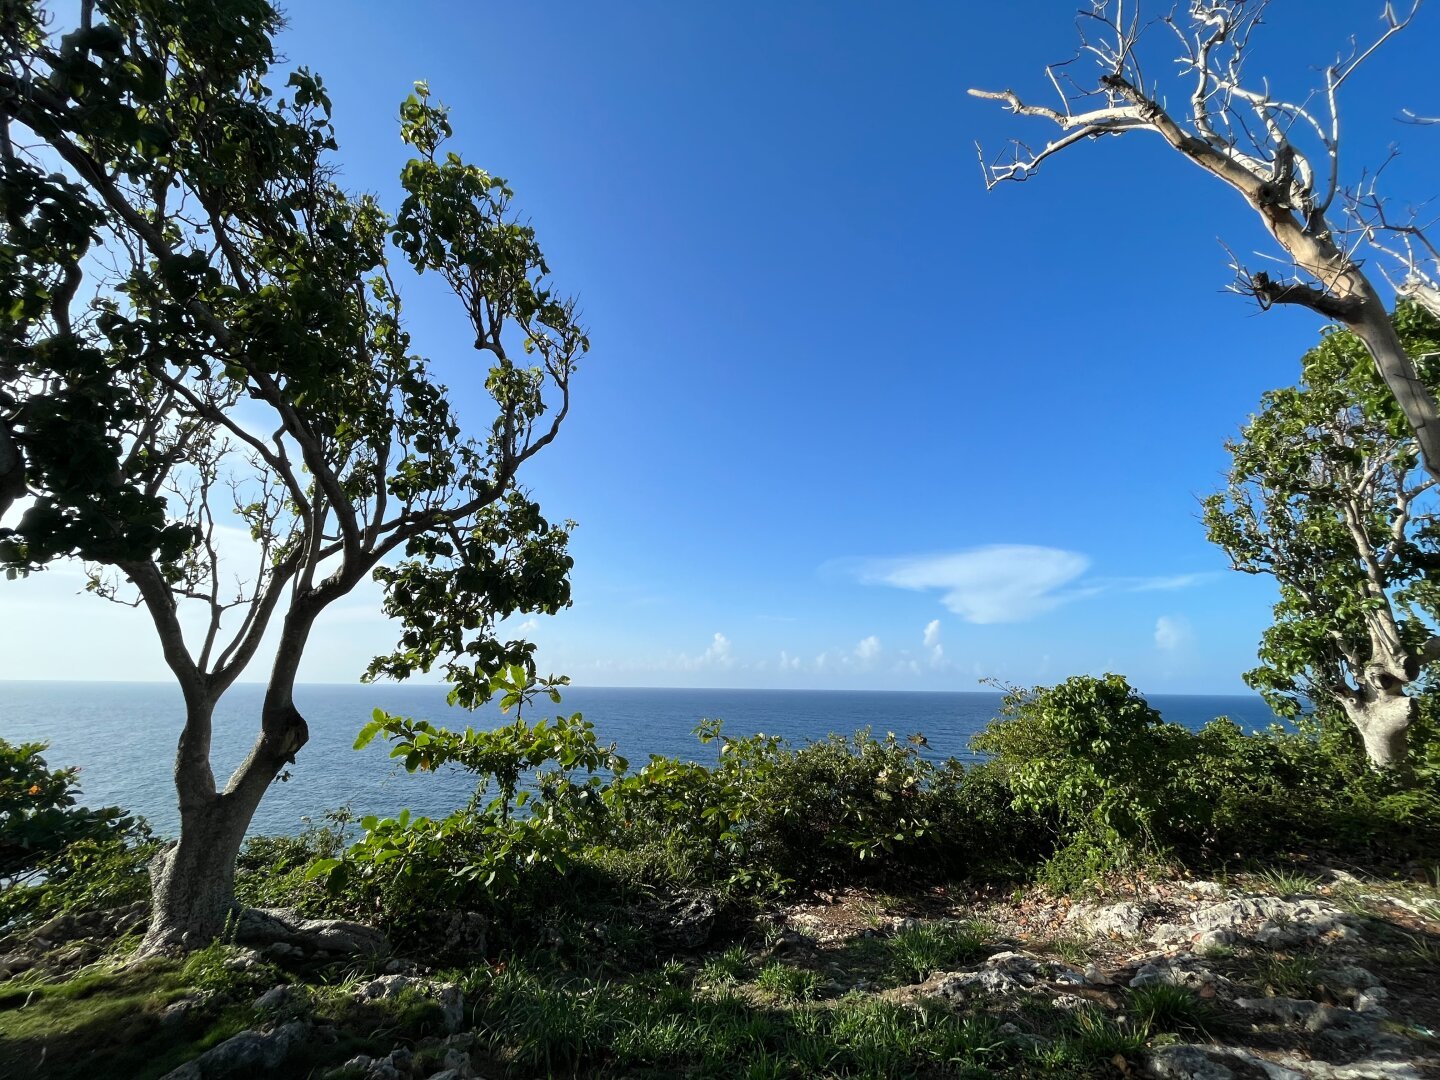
[57,857]
[38,815]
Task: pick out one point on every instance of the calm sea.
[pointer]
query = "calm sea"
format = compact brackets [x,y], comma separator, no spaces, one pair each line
[122,735]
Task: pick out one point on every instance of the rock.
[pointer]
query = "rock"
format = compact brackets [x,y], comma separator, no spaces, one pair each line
[1209,940]
[1096,977]
[267,926]
[1188,1062]
[456,1065]
[684,922]
[787,941]
[359,1061]
[1106,920]
[452,1005]
[446,1074]
[383,1070]
[1206,890]
[1281,921]
[463,933]
[1347,980]
[244,1054]
[243,960]
[277,999]
[449,995]
[1006,973]
[402,1058]
[1284,1010]
[281,950]
[1148,975]
[988,981]
[1370,1002]
[1211,1062]
[180,1008]
[14,963]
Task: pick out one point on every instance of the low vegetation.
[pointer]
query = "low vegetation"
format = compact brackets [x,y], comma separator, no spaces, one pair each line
[574,861]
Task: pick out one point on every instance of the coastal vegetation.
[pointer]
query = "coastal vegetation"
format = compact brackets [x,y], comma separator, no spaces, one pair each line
[208,392]
[1100,893]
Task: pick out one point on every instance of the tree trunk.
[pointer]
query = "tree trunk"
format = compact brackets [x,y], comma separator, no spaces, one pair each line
[193,880]
[1383,720]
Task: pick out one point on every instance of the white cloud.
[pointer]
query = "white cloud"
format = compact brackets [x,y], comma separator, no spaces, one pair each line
[527,626]
[997,583]
[1172,632]
[716,655]
[788,662]
[932,633]
[868,649]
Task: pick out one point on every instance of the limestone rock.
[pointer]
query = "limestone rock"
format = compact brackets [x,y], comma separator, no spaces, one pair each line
[448,995]
[244,1054]
[1190,1062]
[1106,920]
[267,926]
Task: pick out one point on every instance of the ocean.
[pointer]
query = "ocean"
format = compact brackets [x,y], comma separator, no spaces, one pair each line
[122,735]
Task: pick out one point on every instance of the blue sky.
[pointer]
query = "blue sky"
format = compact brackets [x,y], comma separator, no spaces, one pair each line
[849,419]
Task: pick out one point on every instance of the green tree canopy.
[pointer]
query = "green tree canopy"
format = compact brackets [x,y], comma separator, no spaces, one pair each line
[202,335]
[1325,495]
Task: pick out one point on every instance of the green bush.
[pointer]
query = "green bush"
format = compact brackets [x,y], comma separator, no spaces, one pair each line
[38,815]
[1122,788]
[57,857]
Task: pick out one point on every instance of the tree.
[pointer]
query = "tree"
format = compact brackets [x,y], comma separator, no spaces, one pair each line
[1322,496]
[202,330]
[1282,157]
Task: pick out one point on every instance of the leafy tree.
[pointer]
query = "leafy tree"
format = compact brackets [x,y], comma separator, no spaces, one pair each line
[1323,496]
[202,329]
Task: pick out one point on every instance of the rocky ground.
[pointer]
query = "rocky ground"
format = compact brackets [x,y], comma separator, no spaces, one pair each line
[1275,977]
[1335,979]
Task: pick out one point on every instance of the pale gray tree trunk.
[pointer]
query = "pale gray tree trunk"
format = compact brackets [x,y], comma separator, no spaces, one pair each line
[1383,719]
[193,879]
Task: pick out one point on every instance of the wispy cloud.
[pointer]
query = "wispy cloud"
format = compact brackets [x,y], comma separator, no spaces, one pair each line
[998,583]
[1161,584]
[1002,583]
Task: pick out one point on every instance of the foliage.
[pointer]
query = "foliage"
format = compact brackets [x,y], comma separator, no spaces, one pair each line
[1121,787]
[1322,496]
[39,817]
[1092,753]
[831,809]
[203,340]
[57,857]
[406,866]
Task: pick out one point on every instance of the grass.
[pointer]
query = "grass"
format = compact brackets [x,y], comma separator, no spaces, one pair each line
[786,983]
[1166,1008]
[917,952]
[731,966]
[1285,882]
[1074,951]
[1282,974]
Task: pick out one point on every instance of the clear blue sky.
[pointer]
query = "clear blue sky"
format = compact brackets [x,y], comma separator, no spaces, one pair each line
[844,406]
